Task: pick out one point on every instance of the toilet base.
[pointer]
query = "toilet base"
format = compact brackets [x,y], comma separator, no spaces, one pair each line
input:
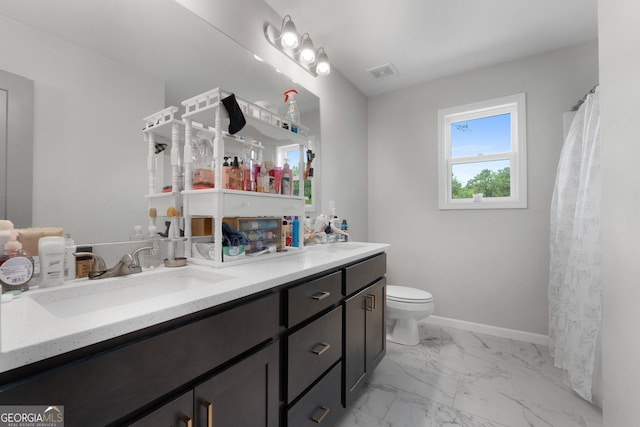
[403,331]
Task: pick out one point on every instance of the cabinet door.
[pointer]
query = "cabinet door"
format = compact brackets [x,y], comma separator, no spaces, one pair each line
[364,336]
[243,395]
[177,413]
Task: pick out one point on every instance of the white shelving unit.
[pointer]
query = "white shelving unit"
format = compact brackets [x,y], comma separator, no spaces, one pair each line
[206,112]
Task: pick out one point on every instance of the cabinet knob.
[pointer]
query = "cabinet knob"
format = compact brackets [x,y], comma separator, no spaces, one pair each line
[209,407]
[319,296]
[186,420]
[321,412]
[321,348]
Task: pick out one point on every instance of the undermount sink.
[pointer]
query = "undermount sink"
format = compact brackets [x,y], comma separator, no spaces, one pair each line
[91,296]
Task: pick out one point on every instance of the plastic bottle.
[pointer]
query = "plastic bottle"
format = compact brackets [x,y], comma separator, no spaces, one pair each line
[263,179]
[235,175]
[202,153]
[152,258]
[51,251]
[137,233]
[293,113]
[287,179]
[226,174]
[344,227]
[16,265]
[69,259]
[295,232]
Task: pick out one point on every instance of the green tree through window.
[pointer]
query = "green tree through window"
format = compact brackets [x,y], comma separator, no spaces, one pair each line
[489,183]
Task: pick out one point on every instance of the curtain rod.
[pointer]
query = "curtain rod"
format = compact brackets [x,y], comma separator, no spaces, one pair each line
[579,103]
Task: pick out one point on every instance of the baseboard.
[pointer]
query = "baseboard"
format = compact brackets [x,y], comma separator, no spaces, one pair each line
[489,330]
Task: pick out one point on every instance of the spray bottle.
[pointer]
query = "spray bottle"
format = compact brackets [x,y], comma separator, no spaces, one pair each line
[293,113]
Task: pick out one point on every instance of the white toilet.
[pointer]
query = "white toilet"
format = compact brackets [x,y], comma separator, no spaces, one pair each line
[405,306]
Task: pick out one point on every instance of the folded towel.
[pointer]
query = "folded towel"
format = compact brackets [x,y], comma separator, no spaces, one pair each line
[231,237]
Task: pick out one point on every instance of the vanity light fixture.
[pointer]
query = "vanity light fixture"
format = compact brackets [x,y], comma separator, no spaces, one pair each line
[299,48]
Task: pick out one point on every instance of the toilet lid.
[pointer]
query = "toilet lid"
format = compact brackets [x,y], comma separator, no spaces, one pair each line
[406,294]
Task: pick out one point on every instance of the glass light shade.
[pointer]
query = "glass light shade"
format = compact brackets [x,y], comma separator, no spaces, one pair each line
[307,51]
[323,67]
[289,34]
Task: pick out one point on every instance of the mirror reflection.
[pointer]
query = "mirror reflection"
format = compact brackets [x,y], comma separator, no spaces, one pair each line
[98,69]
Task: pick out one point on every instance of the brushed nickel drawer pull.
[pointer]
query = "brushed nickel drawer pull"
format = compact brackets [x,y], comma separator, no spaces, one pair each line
[369,303]
[373,301]
[209,407]
[319,296]
[321,348]
[318,419]
[186,420]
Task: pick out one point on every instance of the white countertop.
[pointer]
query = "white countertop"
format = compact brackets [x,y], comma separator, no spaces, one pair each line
[43,323]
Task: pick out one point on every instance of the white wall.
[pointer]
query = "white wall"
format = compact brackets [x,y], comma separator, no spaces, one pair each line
[484,266]
[342,169]
[89,157]
[619,32]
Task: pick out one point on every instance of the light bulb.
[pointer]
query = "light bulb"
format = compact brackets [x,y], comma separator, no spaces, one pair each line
[307,52]
[323,67]
[289,34]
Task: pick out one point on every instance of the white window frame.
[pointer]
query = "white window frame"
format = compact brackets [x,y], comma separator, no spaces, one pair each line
[281,155]
[515,106]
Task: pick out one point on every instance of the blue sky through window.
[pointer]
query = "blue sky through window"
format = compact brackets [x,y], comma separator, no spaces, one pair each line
[486,135]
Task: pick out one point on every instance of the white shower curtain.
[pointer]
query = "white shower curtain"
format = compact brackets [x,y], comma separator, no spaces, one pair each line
[575,273]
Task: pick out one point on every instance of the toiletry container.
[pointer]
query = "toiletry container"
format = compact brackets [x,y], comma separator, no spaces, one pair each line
[202,154]
[83,263]
[287,179]
[16,265]
[226,174]
[5,231]
[51,250]
[69,259]
[295,232]
[152,259]
[344,227]
[137,233]
[235,175]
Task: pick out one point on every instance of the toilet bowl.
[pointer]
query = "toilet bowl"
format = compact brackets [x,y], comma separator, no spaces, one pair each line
[405,307]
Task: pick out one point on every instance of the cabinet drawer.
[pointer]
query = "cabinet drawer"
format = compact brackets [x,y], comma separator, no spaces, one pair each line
[364,273]
[312,297]
[312,350]
[321,406]
[263,204]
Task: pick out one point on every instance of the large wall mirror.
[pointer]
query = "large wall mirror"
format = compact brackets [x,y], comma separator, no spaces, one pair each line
[155,38]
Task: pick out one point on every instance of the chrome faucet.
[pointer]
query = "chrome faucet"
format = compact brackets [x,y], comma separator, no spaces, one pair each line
[128,264]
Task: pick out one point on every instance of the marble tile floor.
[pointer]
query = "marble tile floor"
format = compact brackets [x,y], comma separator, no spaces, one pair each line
[461,378]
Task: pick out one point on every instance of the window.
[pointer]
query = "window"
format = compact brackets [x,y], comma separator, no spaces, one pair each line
[482,156]
[291,153]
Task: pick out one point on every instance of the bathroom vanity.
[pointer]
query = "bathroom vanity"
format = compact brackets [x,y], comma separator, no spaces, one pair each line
[282,342]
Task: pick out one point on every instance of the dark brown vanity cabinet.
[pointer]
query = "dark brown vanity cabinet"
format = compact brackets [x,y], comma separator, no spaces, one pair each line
[364,323]
[293,356]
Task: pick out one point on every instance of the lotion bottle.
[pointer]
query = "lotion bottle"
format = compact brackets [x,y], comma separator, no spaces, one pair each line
[287,179]
[16,265]
[51,251]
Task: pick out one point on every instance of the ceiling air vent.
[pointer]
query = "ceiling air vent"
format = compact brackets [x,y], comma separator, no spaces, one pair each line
[383,71]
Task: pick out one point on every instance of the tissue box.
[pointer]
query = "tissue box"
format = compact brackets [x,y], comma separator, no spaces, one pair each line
[230,253]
